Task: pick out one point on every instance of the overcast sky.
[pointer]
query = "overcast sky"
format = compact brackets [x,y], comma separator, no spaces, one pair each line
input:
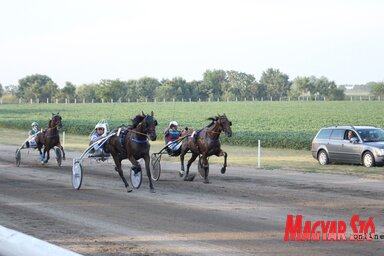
[84,41]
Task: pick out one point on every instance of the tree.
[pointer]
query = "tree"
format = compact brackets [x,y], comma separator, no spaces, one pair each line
[277,83]
[336,94]
[1,90]
[132,92]
[68,91]
[146,88]
[86,92]
[177,88]
[214,82]
[377,89]
[49,90]
[301,86]
[242,85]
[111,90]
[194,89]
[37,86]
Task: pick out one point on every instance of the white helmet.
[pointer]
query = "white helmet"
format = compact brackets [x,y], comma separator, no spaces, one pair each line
[99,126]
[173,123]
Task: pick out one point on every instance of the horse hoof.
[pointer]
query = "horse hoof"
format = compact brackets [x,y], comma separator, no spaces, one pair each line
[223,170]
[42,162]
[181,173]
[207,182]
[189,178]
[129,190]
[152,190]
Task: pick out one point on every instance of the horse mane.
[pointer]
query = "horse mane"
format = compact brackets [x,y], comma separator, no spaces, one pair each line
[136,121]
[213,120]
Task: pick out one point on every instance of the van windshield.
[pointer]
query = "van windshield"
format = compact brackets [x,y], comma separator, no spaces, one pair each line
[371,135]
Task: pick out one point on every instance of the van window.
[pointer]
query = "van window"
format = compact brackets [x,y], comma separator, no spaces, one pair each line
[324,134]
[337,134]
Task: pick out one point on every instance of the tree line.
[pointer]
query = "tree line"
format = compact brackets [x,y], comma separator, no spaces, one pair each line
[215,85]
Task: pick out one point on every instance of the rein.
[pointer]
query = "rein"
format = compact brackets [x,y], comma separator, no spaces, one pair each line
[215,132]
[138,140]
[138,132]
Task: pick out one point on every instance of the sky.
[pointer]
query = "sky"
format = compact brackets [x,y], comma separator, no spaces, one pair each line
[85,41]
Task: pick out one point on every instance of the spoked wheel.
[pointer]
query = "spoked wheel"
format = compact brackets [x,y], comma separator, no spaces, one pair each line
[136,178]
[77,174]
[18,157]
[156,167]
[200,168]
[58,156]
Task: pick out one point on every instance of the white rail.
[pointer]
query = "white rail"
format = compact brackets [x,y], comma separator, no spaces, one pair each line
[14,243]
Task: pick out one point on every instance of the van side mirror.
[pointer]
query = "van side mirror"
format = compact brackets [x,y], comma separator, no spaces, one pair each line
[354,140]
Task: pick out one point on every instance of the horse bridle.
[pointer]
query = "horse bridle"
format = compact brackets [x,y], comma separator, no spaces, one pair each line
[221,127]
[145,133]
[53,118]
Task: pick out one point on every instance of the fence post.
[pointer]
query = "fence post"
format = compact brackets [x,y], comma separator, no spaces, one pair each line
[258,154]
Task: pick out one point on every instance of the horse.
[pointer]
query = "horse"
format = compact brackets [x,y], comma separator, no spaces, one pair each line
[50,138]
[205,143]
[135,145]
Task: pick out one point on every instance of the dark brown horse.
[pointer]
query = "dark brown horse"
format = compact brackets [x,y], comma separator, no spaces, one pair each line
[205,143]
[50,138]
[135,146]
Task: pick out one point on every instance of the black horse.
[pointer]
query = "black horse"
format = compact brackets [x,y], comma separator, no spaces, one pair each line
[135,145]
[50,138]
[206,142]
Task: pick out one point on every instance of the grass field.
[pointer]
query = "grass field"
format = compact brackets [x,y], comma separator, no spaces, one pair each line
[271,158]
[277,124]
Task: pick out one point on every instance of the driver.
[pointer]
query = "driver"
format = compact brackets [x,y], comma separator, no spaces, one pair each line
[172,134]
[98,135]
[32,135]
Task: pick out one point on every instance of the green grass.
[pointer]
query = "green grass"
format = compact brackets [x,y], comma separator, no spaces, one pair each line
[277,124]
[271,158]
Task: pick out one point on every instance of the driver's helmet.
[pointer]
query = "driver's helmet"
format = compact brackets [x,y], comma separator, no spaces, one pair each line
[99,126]
[35,124]
[173,123]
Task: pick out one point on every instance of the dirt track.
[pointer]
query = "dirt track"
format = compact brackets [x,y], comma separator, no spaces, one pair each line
[242,212]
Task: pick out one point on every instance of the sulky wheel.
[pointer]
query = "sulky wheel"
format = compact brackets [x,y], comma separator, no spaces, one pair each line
[136,178]
[77,174]
[156,167]
[18,157]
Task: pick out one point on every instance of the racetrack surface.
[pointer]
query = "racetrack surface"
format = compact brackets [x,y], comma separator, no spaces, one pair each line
[242,212]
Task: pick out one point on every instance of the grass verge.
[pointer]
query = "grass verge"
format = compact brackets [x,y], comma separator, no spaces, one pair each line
[283,159]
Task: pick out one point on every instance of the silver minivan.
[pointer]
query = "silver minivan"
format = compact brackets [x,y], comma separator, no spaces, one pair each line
[349,144]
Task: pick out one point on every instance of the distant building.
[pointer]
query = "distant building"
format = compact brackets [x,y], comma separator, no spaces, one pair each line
[347,86]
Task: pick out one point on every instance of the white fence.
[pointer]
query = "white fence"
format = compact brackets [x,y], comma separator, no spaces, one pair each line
[155,100]
[13,243]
